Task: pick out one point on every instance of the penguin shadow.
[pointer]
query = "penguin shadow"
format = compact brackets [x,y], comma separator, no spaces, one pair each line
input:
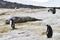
[15,29]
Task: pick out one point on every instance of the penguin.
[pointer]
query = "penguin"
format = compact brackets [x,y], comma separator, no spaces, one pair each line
[12,24]
[49,31]
[50,10]
[53,10]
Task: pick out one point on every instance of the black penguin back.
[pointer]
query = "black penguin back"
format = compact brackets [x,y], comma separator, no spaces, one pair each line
[54,11]
[49,31]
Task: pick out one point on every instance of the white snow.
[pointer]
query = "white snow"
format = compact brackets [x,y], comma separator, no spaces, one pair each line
[34,30]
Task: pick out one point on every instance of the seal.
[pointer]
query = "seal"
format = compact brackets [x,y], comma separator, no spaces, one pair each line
[49,31]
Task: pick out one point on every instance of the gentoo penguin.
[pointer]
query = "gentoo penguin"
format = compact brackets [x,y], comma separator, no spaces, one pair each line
[12,24]
[49,31]
[53,10]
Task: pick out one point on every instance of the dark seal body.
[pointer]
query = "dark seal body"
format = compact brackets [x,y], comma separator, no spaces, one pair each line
[49,31]
[12,24]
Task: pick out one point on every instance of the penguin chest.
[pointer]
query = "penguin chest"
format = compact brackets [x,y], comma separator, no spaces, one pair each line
[11,23]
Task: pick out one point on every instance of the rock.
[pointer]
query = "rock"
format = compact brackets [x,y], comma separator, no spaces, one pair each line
[22,19]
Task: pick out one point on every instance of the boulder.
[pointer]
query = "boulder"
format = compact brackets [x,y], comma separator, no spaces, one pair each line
[22,19]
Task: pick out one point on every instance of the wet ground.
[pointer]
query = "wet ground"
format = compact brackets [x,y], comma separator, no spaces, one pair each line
[30,30]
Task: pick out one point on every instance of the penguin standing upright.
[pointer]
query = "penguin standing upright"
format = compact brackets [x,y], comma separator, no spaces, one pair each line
[49,31]
[12,24]
[54,10]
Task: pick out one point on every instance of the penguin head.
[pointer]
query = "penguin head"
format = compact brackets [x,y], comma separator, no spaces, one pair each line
[11,19]
[53,8]
[47,25]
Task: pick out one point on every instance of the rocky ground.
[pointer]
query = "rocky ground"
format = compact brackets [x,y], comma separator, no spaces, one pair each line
[29,30]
